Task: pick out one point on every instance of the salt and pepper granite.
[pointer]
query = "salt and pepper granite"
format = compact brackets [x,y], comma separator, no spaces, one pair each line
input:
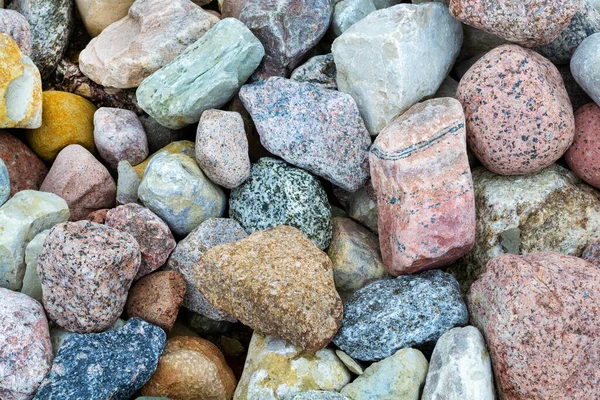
[392,314]
[553,303]
[25,347]
[316,129]
[319,70]
[279,194]
[99,14]
[16,26]
[86,270]
[108,365]
[234,277]
[25,169]
[583,157]
[519,117]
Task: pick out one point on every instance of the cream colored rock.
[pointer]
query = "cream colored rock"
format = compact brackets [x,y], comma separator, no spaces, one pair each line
[152,34]
[98,14]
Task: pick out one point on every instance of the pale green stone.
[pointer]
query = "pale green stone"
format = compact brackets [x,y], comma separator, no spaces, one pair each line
[32,285]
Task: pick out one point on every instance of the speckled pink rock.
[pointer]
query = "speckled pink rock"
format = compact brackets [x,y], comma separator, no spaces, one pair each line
[152,234]
[529,23]
[222,148]
[539,315]
[86,270]
[16,26]
[25,346]
[519,116]
[119,135]
[80,179]
[421,174]
[583,157]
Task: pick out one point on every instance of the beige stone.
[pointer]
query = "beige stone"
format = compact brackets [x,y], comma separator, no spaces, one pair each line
[98,14]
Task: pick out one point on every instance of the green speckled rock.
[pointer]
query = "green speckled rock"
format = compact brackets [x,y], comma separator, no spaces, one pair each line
[206,75]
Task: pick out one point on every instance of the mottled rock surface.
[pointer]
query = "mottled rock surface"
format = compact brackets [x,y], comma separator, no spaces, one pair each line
[99,14]
[25,169]
[583,156]
[4,183]
[591,253]
[16,26]
[319,70]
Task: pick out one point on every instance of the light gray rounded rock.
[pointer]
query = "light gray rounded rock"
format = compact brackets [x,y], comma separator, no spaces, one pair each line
[4,183]
[32,286]
[348,12]
[585,66]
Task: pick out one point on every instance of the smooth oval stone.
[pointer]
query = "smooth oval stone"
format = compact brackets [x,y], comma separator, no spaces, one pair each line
[279,194]
[519,116]
[16,26]
[316,129]
[206,75]
[179,147]
[319,70]
[32,286]
[176,190]
[583,157]
[585,67]
[409,311]
[99,14]
[4,183]
[25,170]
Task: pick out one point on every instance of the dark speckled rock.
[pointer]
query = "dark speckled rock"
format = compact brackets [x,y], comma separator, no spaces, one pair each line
[111,365]
[409,311]
[279,194]
[316,129]
[591,253]
[319,70]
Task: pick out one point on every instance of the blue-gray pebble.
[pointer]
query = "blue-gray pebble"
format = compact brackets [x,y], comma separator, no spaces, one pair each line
[4,183]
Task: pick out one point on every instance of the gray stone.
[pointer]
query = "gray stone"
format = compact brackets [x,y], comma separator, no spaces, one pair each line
[316,129]
[25,215]
[58,335]
[128,183]
[594,3]
[585,66]
[319,70]
[577,95]
[4,183]
[176,189]
[159,136]
[460,368]
[395,57]
[478,42]
[212,232]
[318,395]
[379,4]
[361,205]
[348,12]
[32,286]
[16,26]
[447,88]
[206,75]
[205,326]
[279,194]
[392,314]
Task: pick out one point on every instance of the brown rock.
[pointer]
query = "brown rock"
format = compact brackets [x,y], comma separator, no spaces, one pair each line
[277,282]
[98,216]
[156,298]
[191,368]
[25,169]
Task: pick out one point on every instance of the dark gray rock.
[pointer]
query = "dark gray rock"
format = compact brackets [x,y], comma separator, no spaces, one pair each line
[110,365]
[318,395]
[278,194]
[319,70]
[158,135]
[409,311]
[361,205]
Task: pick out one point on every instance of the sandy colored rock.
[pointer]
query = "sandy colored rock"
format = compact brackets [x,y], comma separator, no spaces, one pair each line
[25,170]
[98,14]
[16,26]
[301,305]
[191,368]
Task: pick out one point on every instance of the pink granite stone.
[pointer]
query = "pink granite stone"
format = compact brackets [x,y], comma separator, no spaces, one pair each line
[583,157]
[222,148]
[539,314]
[86,270]
[531,23]
[80,179]
[25,346]
[152,234]
[25,170]
[519,116]
[421,174]
[119,135]
[16,26]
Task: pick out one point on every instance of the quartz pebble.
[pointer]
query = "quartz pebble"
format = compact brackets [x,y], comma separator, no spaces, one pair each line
[99,14]
[25,169]
[16,26]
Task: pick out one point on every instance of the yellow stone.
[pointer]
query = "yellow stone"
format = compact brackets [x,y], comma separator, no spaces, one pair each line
[182,146]
[66,119]
[20,87]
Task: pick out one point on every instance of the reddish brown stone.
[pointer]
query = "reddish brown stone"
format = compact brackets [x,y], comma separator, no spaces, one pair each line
[156,298]
[420,171]
[539,314]
[25,169]
[583,156]
[98,216]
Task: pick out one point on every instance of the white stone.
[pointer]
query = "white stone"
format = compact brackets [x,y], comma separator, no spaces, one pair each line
[32,285]
[585,66]
[395,57]
[460,368]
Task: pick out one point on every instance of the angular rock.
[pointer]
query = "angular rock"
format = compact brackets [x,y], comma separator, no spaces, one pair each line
[212,232]
[99,14]
[288,29]
[119,135]
[420,171]
[395,57]
[584,66]
[16,26]
[222,148]
[552,209]
[25,170]
[392,314]
[354,252]
[176,190]
[25,347]
[25,215]
[20,88]
[4,183]
[128,183]
[460,367]
[398,377]
[583,155]
[361,205]
[86,270]
[519,117]
[156,298]
[348,12]
[319,70]
[32,286]
[553,302]
[537,23]
[180,147]
[234,277]
[191,368]
[51,23]
[151,35]
[279,194]
[80,179]
[206,75]
[109,365]
[150,232]
[276,370]
[316,129]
